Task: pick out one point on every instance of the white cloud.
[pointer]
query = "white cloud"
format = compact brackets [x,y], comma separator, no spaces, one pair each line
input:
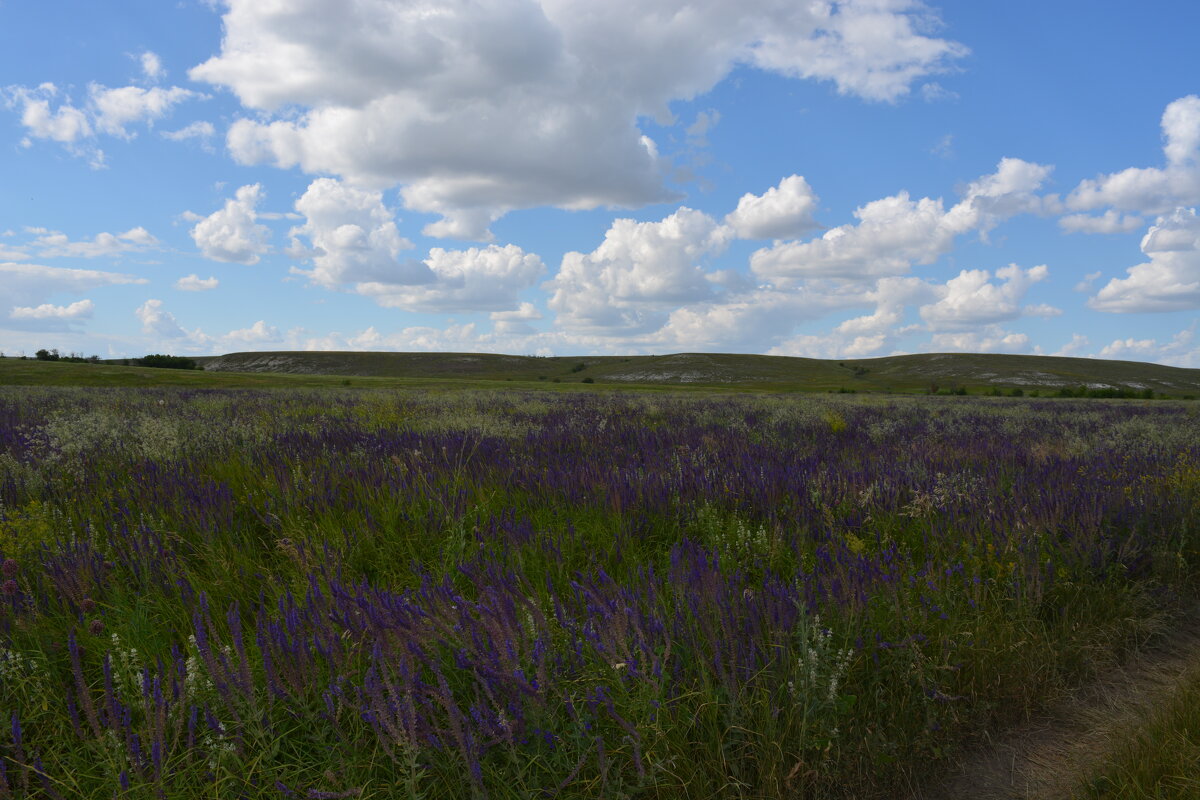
[874,49]
[231,234]
[107,110]
[56,244]
[352,237]
[830,346]
[992,339]
[1112,221]
[1153,190]
[469,280]
[934,92]
[161,324]
[1181,351]
[197,130]
[895,232]
[194,283]
[1181,129]
[258,333]
[157,321]
[515,321]
[1085,285]
[66,124]
[971,300]
[1170,280]
[30,284]
[81,309]
[453,338]
[783,211]
[639,272]
[478,108]
[152,67]
[49,318]
[1074,347]
[113,110]
[867,335]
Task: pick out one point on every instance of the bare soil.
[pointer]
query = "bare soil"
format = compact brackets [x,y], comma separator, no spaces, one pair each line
[1051,756]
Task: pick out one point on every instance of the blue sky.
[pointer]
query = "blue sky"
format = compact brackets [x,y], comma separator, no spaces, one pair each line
[835,180]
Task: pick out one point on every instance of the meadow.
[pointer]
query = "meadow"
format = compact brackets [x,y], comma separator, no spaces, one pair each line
[380,593]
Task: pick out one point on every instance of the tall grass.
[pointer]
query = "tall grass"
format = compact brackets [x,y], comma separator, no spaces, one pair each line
[381,594]
[1156,754]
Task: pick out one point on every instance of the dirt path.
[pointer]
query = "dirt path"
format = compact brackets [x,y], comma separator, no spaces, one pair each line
[1048,757]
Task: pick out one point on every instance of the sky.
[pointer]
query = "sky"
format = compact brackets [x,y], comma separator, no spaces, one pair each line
[565,177]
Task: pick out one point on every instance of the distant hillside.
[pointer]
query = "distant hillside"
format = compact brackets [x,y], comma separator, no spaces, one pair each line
[974,372]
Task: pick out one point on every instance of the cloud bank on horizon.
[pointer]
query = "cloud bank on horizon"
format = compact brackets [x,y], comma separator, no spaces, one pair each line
[831,179]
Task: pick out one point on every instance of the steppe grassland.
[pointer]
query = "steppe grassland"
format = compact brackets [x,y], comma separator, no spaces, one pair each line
[461,594]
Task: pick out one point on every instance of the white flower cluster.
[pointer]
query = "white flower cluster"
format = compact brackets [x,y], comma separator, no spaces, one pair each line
[15,665]
[127,667]
[820,668]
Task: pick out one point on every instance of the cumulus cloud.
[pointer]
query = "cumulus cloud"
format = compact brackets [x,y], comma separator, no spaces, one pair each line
[1182,350]
[1111,221]
[453,338]
[78,310]
[56,244]
[895,232]
[352,238]
[478,108]
[231,233]
[1153,190]
[783,211]
[833,345]
[50,318]
[258,333]
[194,283]
[1170,280]
[47,114]
[1074,347]
[992,339]
[114,110]
[32,284]
[65,124]
[468,280]
[515,321]
[639,272]
[971,300]
[866,335]
[163,329]
[152,68]
[158,322]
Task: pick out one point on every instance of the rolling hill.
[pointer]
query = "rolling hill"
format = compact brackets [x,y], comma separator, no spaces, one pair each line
[974,372]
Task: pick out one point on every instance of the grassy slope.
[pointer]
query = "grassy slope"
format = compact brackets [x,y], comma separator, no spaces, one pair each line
[912,373]
[895,373]
[19,372]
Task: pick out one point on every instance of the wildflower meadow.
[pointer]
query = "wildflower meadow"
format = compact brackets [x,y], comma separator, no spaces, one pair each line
[352,593]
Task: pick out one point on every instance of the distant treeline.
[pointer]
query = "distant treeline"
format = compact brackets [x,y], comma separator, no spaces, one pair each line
[75,358]
[153,360]
[162,361]
[1083,391]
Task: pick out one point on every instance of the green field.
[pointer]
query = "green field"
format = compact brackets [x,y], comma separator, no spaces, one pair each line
[454,593]
[973,373]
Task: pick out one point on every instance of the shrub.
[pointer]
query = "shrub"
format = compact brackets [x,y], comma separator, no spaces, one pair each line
[167,362]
